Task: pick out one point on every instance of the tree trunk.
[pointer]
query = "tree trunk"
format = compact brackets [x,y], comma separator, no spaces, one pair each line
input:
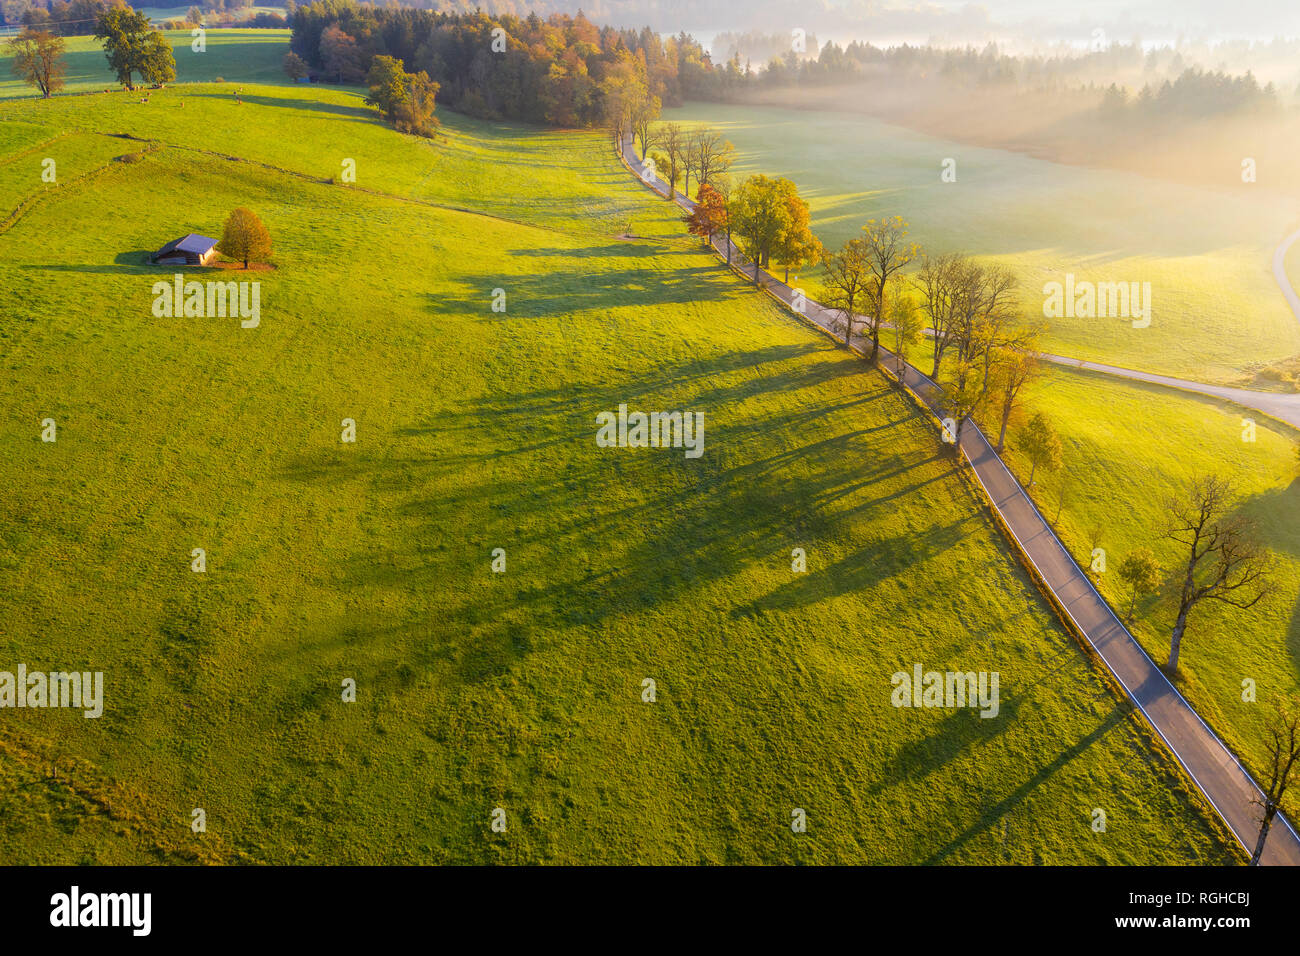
[755,270]
[1176,639]
[787,275]
[1270,810]
[728,245]
[1033,467]
[875,343]
[1002,433]
[938,357]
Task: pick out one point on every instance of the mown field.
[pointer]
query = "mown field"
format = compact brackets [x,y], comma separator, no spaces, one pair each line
[475,431]
[1217,313]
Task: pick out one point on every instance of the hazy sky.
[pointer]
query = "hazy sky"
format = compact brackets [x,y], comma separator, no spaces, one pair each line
[963,21]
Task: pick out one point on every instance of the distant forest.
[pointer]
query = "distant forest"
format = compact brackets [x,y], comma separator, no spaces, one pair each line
[552,69]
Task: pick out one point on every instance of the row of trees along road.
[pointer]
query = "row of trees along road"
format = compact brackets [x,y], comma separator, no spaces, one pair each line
[983,356]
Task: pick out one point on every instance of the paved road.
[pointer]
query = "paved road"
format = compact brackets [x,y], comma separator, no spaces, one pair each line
[1208,761]
[1280,405]
[1279,273]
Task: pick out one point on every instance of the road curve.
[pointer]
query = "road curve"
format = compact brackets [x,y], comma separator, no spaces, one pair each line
[1280,405]
[1213,768]
[1279,273]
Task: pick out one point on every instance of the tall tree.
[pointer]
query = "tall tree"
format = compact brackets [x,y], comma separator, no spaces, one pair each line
[673,141]
[405,99]
[797,247]
[157,62]
[709,215]
[38,60]
[664,168]
[340,55]
[124,32]
[760,214]
[983,327]
[845,283]
[415,112]
[387,83]
[1283,768]
[1014,368]
[1225,561]
[244,236]
[645,112]
[722,185]
[938,280]
[888,252]
[295,67]
[622,94]
[905,318]
[1040,444]
[713,154]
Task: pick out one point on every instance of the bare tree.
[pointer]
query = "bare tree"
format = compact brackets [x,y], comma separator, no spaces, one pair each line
[645,112]
[1284,769]
[673,140]
[1225,561]
[983,329]
[713,154]
[845,283]
[937,281]
[690,158]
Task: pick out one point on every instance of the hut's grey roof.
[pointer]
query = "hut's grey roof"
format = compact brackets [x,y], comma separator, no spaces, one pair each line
[194,243]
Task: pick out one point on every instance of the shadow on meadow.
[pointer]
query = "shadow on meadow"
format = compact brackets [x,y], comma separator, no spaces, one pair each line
[998,810]
[1276,515]
[596,534]
[135,262]
[556,291]
[295,105]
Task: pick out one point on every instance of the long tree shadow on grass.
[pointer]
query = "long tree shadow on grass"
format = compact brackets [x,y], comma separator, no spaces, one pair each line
[1276,515]
[992,814]
[556,291]
[958,730]
[686,525]
[297,105]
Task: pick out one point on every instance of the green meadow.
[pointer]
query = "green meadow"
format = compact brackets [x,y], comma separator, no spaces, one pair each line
[1216,311]
[1127,449]
[372,561]
[246,55]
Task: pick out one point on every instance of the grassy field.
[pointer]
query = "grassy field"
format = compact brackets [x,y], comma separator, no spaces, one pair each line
[1216,311]
[251,56]
[1128,448]
[475,429]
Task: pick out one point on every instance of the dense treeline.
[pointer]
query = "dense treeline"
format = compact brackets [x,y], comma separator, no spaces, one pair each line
[65,18]
[1195,93]
[552,69]
[1191,92]
[520,68]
